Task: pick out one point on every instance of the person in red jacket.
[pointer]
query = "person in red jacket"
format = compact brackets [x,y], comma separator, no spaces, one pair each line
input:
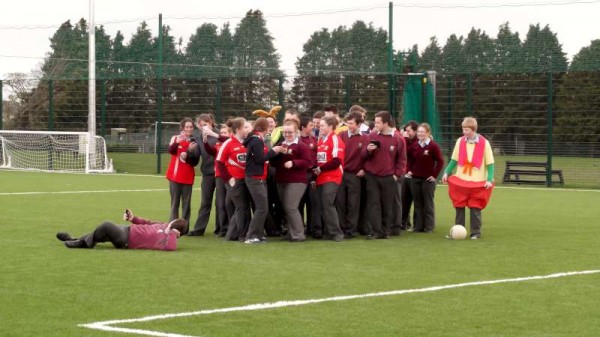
[291,161]
[184,156]
[385,163]
[329,170]
[348,198]
[425,164]
[231,161]
[141,234]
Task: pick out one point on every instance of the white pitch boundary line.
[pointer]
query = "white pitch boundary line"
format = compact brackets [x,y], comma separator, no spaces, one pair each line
[83,192]
[108,325]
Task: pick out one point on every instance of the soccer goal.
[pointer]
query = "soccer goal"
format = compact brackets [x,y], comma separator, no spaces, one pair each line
[53,152]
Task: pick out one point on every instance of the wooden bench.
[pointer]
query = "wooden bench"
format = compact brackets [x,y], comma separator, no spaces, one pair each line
[517,169]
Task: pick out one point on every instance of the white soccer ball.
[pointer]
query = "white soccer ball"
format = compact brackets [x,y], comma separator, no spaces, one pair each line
[458,232]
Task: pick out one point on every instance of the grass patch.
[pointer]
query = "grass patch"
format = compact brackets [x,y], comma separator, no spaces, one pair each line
[47,290]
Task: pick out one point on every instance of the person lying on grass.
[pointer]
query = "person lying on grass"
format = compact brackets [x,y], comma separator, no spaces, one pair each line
[141,234]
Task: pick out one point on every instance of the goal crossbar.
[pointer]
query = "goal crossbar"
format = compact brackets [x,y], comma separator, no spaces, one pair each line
[53,151]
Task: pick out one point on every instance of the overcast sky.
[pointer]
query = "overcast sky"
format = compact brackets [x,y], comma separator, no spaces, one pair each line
[24,44]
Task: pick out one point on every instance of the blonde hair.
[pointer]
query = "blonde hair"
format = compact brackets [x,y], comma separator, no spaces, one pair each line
[293,122]
[470,122]
[427,128]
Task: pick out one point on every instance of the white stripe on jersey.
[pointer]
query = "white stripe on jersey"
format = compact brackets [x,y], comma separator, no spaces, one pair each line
[223,146]
[334,151]
[233,163]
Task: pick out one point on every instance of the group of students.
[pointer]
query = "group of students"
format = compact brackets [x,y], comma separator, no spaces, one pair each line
[352,178]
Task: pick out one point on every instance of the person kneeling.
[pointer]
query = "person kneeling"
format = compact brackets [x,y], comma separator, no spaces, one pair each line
[142,234]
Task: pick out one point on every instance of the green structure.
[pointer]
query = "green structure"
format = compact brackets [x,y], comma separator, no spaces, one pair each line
[418,102]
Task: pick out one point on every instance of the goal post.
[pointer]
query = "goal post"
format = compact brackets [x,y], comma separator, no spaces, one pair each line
[53,152]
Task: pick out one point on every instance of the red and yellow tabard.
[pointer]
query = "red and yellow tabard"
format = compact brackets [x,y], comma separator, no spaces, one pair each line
[472,159]
[467,187]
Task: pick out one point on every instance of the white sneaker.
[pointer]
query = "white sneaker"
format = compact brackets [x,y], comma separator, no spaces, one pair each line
[252,241]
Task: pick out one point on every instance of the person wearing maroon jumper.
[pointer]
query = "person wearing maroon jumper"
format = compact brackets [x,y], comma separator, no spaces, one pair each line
[410,136]
[141,234]
[425,164]
[291,161]
[385,163]
[348,198]
[330,161]
[314,225]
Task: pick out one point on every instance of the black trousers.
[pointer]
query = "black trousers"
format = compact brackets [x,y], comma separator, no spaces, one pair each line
[381,198]
[348,203]
[423,192]
[260,199]
[224,207]
[180,193]
[107,232]
[239,221]
[407,200]
[331,221]
[207,192]
[312,201]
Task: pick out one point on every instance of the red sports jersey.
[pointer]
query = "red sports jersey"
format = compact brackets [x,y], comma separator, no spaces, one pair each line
[233,154]
[217,148]
[179,171]
[329,148]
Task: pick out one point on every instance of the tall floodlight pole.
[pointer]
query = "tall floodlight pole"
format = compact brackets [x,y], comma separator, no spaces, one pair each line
[91,88]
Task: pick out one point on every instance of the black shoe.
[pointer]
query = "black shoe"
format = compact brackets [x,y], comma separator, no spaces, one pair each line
[348,236]
[75,244]
[63,236]
[377,237]
[317,236]
[395,233]
[195,233]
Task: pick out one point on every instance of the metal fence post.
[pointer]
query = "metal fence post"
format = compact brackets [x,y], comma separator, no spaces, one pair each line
[280,97]
[347,95]
[392,99]
[50,105]
[218,101]
[470,94]
[103,108]
[159,94]
[449,116]
[1,105]
[550,143]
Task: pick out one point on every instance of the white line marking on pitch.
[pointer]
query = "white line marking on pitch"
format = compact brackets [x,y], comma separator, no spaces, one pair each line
[108,325]
[84,192]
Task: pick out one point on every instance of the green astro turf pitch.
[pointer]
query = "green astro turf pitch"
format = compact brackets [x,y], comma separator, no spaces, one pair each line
[48,290]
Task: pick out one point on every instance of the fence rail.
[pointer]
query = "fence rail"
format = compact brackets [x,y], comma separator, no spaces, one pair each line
[546,116]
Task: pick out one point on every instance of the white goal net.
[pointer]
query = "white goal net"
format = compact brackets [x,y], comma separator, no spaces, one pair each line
[53,151]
